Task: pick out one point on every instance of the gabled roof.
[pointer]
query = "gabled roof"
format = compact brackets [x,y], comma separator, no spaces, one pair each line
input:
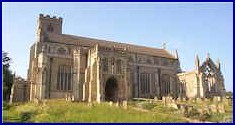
[85,41]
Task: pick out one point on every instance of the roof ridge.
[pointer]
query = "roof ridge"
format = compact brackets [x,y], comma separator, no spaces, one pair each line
[131,47]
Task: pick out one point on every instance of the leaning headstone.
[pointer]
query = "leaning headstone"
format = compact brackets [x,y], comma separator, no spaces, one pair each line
[207,110]
[213,108]
[221,108]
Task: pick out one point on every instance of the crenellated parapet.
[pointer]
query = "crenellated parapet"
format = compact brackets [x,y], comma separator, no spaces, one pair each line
[48,17]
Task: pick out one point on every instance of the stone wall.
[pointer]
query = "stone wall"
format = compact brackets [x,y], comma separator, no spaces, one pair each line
[20,90]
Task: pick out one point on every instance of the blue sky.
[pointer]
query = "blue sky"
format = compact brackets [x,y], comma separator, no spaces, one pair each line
[188,27]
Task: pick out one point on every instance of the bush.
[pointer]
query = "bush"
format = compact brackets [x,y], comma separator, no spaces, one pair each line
[196,115]
[6,106]
[192,113]
[25,116]
[26,112]
[205,116]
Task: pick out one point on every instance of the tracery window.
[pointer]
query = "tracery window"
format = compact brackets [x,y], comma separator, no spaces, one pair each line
[64,78]
[145,80]
[165,84]
[105,64]
[119,66]
[209,79]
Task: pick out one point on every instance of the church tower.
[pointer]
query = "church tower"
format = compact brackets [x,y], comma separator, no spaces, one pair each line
[48,26]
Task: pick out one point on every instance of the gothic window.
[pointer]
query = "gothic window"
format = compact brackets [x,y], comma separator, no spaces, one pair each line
[145,80]
[182,89]
[209,79]
[50,28]
[64,78]
[119,66]
[208,71]
[61,51]
[165,85]
[105,64]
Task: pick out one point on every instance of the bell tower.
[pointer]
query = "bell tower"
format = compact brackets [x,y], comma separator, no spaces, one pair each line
[49,25]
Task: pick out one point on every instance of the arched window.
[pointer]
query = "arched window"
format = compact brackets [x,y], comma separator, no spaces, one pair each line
[165,85]
[105,64]
[64,78]
[119,66]
[145,81]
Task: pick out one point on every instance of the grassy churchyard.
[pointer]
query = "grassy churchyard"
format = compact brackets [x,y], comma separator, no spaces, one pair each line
[135,111]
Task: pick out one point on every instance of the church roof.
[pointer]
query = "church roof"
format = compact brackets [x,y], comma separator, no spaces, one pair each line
[85,41]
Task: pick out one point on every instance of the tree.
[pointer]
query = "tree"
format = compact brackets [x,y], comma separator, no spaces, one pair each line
[229,94]
[7,76]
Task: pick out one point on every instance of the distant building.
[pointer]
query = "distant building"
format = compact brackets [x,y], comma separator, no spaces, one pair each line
[99,70]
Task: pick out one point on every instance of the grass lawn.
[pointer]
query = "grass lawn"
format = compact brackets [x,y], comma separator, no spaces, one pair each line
[61,111]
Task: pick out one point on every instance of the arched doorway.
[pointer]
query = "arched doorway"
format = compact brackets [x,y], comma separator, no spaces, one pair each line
[111,89]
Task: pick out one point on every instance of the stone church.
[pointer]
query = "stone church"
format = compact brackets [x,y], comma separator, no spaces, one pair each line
[90,69]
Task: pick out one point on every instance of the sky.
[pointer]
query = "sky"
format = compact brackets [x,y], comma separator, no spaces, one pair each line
[191,28]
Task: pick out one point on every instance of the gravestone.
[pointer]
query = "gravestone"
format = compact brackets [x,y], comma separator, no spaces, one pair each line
[213,108]
[221,108]
[155,98]
[199,100]
[117,104]
[124,104]
[110,103]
